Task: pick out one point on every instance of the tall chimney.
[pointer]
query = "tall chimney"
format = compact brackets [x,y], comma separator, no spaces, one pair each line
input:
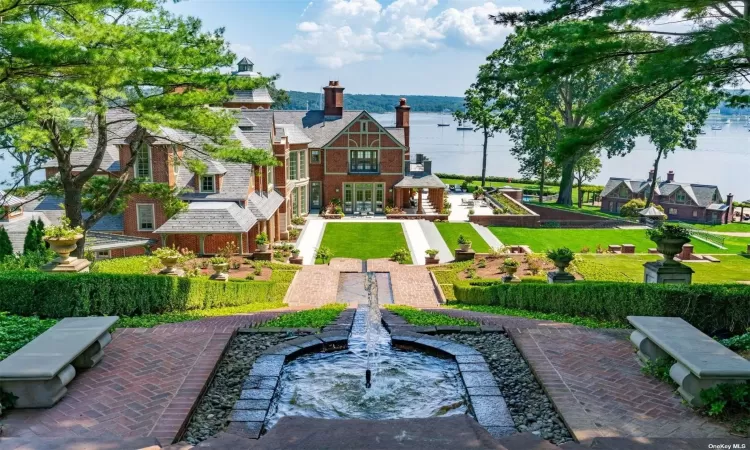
[334,100]
[670,176]
[402,119]
[730,199]
[651,174]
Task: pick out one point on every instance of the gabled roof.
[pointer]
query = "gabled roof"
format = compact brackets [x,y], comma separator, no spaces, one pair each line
[315,125]
[292,133]
[260,95]
[9,200]
[427,181]
[50,207]
[244,61]
[210,217]
[264,206]
[700,194]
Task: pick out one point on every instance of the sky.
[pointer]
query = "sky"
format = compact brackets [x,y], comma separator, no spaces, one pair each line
[428,47]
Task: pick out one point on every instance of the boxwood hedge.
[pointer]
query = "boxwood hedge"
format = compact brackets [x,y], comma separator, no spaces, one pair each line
[64,295]
[707,307]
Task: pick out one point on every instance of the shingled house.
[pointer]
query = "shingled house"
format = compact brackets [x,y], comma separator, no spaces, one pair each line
[688,202]
[324,155]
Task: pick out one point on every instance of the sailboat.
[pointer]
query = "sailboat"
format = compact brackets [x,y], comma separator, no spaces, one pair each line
[464,128]
[442,119]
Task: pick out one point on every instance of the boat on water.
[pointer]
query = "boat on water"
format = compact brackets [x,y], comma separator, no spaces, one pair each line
[442,119]
[464,128]
[717,127]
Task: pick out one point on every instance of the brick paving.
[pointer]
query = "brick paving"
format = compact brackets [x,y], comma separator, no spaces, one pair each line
[146,384]
[346,265]
[595,382]
[313,286]
[413,286]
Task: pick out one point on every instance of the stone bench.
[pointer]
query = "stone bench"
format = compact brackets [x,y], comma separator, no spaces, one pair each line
[38,373]
[701,362]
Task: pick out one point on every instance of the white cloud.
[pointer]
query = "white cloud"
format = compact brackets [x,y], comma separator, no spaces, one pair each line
[351,31]
[308,26]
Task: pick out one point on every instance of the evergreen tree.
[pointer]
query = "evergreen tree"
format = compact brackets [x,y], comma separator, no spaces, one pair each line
[34,241]
[6,248]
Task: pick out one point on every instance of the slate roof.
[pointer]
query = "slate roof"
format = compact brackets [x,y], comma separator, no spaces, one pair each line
[17,228]
[291,132]
[9,199]
[234,185]
[97,241]
[51,208]
[700,194]
[264,206]
[244,60]
[260,95]
[315,125]
[210,217]
[427,181]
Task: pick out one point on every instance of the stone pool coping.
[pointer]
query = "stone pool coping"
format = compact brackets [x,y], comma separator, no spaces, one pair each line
[486,402]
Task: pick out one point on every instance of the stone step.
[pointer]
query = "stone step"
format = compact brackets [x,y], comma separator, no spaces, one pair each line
[78,443]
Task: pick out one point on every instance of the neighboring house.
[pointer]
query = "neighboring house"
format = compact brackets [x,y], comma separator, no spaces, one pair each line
[324,155]
[688,202]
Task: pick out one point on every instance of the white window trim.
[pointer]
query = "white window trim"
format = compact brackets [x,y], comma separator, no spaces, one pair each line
[108,254]
[138,215]
[150,163]
[200,184]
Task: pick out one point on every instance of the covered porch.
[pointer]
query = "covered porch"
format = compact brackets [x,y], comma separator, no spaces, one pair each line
[429,191]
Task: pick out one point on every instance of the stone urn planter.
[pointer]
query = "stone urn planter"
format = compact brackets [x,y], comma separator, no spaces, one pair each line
[220,268]
[263,248]
[64,247]
[464,247]
[511,270]
[562,264]
[669,247]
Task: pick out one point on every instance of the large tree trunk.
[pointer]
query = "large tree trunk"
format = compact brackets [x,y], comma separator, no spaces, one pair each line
[650,197]
[542,173]
[565,197]
[484,156]
[580,194]
[74,212]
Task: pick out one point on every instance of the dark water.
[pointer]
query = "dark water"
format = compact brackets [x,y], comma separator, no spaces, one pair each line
[722,157]
[405,384]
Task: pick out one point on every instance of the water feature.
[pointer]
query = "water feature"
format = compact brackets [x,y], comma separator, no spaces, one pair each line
[404,384]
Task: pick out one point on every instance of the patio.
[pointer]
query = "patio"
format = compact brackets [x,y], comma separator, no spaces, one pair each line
[462,202]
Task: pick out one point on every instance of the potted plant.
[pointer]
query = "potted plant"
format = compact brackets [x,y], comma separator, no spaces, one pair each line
[62,239]
[432,256]
[219,264]
[478,193]
[511,267]
[463,243]
[669,239]
[262,241]
[169,258]
[561,257]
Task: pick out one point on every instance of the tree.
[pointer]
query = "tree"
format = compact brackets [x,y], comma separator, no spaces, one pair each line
[34,241]
[710,48]
[633,208]
[549,115]
[6,248]
[85,73]
[483,106]
[586,169]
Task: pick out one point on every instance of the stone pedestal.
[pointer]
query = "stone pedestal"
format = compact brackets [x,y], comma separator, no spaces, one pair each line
[613,248]
[559,277]
[663,272]
[428,261]
[71,265]
[511,279]
[467,255]
[297,260]
[628,248]
[172,272]
[220,276]
[263,256]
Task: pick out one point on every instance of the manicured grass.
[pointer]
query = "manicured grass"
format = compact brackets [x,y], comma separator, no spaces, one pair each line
[425,318]
[311,318]
[582,321]
[542,239]
[736,227]
[152,320]
[364,240]
[17,331]
[451,231]
[732,268]
[129,265]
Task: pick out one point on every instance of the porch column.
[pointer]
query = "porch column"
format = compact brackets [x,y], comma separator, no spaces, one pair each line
[398,197]
[420,209]
[201,241]
[242,248]
[163,240]
[277,230]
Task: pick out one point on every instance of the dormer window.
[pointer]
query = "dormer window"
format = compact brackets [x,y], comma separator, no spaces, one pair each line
[143,162]
[681,197]
[208,183]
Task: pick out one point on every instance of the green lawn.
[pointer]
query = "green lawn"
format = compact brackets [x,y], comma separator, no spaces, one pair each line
[541,239]
[426,318]
[630,268]
[451,231]
[311,318]
[736,227]
[364,240]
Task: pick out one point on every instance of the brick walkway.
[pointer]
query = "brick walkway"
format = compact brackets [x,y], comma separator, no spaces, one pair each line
[146,384]
[595,382]
[313,286]
[413,286]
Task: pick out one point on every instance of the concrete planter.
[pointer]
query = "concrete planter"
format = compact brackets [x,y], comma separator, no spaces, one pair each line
[64,247]
[169,263]
[464,247]
[295,259]
[511,274]
[262,247]
[562,265]
[669,247]
[432,260]
[220,268]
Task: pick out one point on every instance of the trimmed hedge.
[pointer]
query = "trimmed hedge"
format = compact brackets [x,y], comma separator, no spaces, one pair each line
[65,295]
[707,307]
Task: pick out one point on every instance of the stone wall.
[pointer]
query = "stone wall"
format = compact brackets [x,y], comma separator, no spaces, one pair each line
[561,215]
[506,220]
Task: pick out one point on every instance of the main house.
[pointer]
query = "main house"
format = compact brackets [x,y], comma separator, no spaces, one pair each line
[688,202]
[327,155]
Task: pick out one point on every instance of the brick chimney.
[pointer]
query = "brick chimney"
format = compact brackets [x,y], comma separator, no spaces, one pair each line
[651,175]
[730,199]
[402,118]
[334,99]
[670,176]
